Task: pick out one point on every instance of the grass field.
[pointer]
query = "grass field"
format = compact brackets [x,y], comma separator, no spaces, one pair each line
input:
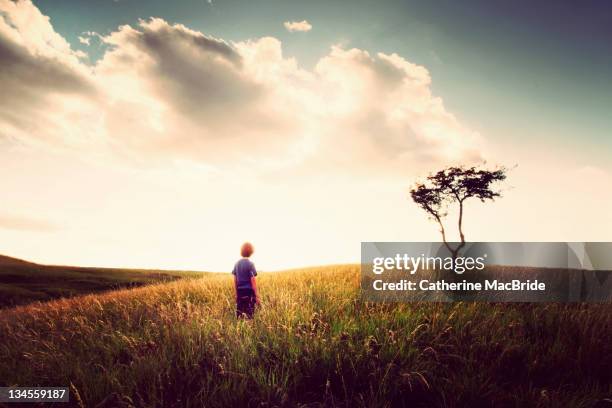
[23,282]
[313,343]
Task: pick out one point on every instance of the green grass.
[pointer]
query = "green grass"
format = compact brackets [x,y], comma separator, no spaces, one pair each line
[313,343]
[24,282]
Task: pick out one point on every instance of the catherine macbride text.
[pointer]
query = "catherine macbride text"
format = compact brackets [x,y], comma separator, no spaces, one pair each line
[425,285]
[412,264]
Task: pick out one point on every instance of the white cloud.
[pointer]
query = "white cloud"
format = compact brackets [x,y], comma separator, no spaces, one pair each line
[380,111]
[166,92]
[41,73]
[22,223]
[84,40]
[293,26]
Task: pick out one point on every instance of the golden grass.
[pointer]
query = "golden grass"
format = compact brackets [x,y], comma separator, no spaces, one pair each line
[313,342]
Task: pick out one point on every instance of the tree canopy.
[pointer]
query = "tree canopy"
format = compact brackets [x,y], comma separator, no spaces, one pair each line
[454,185]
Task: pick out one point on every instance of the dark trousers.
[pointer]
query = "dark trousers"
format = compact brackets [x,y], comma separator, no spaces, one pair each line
[245,303]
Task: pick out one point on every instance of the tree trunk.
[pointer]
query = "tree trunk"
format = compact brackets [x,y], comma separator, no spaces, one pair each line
[462,244]
[461,222]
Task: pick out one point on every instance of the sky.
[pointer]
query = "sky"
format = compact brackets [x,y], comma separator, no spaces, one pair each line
[164,134]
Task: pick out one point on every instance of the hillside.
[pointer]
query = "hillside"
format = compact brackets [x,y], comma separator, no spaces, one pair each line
[22,282]
[313,343]
[10,261]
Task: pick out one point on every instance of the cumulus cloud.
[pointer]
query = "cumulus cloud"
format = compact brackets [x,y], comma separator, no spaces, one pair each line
[38,69]
[192,95]
[381,111]
[293,26]
[164,91]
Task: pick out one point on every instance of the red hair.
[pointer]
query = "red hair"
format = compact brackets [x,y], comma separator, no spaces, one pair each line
[246,250]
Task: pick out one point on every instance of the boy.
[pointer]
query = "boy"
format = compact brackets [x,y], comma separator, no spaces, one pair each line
[244,280]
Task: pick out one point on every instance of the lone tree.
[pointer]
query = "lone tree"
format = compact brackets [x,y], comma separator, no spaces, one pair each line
[454,185]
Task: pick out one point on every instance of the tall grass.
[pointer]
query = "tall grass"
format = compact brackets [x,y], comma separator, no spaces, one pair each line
[314,342]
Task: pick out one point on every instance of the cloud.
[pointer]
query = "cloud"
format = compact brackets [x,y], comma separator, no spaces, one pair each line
[380,111]
[192,95]
[164,92]
[21,223]
[38,69]
[293,26]
[86,37]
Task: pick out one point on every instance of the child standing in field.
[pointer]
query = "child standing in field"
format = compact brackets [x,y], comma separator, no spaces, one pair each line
[244,280]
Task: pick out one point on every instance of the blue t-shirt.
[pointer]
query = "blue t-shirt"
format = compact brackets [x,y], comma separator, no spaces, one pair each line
[244,270]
